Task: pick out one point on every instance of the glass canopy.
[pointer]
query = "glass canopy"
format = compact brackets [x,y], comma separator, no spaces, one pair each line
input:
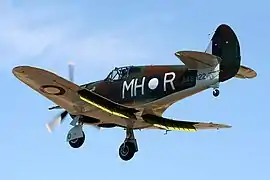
[118,74]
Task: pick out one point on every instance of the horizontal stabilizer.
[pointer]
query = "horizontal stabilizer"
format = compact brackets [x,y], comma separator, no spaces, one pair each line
[168,124]
[245,72]
[198,60]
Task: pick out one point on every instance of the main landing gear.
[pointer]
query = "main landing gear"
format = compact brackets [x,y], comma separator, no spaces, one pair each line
[77,142]
[129,146]
[76,136]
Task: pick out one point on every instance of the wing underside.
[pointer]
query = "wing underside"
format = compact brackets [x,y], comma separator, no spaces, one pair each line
[67,94]
[73,98]
[189,126]
[106,104]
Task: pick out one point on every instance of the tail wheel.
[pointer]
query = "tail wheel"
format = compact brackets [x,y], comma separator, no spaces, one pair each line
[216,92]
[78,142]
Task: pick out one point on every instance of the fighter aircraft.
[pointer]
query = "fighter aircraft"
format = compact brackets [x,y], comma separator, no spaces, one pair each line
[135,97]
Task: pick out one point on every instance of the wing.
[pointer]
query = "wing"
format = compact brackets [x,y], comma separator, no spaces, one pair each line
[168,124]
[68,95]
[198,60]
[245,72]
[106,104]
[57,89]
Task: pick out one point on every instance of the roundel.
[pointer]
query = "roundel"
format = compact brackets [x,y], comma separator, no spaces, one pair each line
[153,83]
[53,90]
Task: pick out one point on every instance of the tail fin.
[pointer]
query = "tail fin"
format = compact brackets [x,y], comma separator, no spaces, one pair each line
[225,44]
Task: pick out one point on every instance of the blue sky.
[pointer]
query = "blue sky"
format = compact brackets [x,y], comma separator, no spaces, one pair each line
[99,35]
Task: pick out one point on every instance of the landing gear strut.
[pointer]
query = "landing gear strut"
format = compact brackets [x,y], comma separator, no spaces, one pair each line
[76,136]
[129,146]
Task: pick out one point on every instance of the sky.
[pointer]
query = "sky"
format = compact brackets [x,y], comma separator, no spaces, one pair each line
[100,35]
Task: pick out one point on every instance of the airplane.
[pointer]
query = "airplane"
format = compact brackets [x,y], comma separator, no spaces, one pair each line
[135,97]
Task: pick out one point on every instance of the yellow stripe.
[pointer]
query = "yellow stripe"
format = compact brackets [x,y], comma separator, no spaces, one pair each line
[174,128]
[103,108]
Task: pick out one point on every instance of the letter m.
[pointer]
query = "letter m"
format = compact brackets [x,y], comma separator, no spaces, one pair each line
[127,87]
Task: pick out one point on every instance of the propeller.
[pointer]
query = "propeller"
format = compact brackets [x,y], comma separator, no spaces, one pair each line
[59,119]
[56,121]
[61,116]
[71,71]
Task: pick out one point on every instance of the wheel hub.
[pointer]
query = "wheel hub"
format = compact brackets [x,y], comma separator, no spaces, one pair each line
[74,141]
[124,150]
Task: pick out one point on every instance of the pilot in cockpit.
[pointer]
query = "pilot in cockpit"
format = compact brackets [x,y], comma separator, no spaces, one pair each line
[124,73]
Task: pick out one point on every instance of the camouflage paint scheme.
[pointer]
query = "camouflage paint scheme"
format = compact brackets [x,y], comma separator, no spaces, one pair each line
[185,78]
[113,90]
[151,89]
[135,97]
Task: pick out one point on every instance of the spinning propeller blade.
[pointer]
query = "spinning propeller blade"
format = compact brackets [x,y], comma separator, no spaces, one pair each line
[56,121]
[54,107]
[71,78]
[60,117]
[71,71]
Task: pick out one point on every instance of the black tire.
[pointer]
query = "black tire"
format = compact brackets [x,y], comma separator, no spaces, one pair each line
[76,143]
[216,92]
[126,151]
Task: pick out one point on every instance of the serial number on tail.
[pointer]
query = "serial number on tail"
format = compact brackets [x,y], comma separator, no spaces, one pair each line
[202,76]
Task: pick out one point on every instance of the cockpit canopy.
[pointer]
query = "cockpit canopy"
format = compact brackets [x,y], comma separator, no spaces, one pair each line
[118,74]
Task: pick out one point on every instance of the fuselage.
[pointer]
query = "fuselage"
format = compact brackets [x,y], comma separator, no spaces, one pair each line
[145,84]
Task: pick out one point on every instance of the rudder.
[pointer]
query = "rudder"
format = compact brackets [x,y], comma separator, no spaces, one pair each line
[225,44]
